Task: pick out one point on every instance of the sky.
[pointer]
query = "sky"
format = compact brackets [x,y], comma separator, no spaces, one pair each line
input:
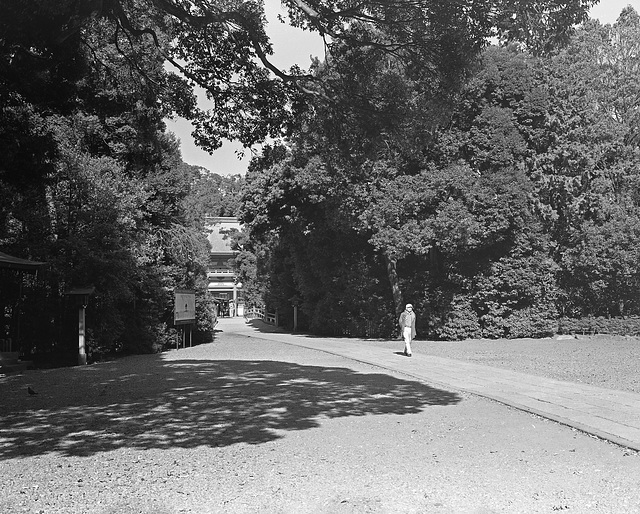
[293,46]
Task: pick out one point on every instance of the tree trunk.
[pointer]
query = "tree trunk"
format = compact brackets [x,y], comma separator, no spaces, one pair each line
[394,281]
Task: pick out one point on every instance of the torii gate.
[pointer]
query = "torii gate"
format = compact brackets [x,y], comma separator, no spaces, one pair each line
[22,266]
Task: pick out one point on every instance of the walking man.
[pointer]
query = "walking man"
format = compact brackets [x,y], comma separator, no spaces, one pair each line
[408,327]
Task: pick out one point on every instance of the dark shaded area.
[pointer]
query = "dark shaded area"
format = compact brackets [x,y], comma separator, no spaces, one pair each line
[261,326]
[17,263]
[189,403]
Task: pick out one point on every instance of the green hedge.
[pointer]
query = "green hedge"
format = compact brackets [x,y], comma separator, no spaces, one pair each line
[629,326]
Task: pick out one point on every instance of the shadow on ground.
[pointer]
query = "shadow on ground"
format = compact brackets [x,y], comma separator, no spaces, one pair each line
[150,403]
[261,326]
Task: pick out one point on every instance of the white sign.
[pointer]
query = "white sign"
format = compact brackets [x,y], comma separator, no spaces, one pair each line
[184,307]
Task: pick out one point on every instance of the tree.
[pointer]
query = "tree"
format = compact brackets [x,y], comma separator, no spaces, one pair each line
[306,248]
[86,82]
[600,266]
[586,178]
[386,167]
[224,47]
[540,27]
[95,187]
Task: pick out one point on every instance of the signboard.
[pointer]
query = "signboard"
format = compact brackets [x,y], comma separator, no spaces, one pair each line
[184,311]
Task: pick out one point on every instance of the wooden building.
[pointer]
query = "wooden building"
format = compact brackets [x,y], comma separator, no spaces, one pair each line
[223,283]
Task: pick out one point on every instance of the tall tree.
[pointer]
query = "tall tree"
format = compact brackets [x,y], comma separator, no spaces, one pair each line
[377,172]
[586,179]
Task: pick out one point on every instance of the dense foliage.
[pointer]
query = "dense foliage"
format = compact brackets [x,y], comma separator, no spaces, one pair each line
[495,210]
[496,189]
[93,185]
[224,47]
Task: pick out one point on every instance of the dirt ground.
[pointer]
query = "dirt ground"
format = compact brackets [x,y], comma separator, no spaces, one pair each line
[250,426]
[604,361]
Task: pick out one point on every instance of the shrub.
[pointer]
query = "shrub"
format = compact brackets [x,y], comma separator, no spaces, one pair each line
[600,325]
[461,322]
[532,322]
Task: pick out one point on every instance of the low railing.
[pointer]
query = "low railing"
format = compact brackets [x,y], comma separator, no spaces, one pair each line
[253,313]
[261,313]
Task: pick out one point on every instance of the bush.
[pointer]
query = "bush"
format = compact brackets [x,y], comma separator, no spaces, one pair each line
[203,330]
[531,322]
[461,322]
[600,325]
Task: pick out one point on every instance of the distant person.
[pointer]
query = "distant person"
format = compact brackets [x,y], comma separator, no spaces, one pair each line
[408,327]
[232,309]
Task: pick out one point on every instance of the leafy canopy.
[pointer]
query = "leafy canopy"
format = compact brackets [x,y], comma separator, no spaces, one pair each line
[224,46]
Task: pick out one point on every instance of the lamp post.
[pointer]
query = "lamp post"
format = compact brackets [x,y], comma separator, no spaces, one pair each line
[81,296]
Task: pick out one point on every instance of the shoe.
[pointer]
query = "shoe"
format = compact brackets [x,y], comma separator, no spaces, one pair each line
[408,354]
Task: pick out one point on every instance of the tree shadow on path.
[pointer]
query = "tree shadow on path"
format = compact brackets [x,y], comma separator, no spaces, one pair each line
[149,403]
[261,327]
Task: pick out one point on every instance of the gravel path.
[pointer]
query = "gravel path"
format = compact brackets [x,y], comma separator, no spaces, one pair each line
[252,426]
